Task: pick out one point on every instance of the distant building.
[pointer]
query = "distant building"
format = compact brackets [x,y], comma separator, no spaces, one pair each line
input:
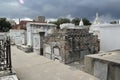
[21,25]
[72,26]
[40,19]
[67,26]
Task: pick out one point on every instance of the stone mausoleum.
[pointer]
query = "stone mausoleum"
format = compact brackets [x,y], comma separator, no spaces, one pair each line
[70,45]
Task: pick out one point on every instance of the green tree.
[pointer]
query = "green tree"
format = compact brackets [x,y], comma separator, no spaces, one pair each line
[77,20]
[4,25]
[86,21]
[113,22]
[55,22]
[60,21]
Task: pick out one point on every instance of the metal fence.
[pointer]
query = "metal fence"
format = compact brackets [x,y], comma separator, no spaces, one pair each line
[5,56]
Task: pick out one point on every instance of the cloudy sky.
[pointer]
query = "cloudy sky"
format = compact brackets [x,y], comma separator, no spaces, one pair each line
[59,8]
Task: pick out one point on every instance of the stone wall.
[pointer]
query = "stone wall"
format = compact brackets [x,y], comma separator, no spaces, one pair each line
[70,45]
[18,37]
[103,68]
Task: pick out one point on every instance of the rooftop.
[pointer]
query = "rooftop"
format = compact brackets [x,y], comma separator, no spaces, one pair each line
[38,23]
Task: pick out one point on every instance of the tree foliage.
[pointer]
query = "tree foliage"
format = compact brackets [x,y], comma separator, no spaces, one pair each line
[60,21]
[74,21]
[4,25]
[113,22]
[86,21]
[77,20]
[63,20]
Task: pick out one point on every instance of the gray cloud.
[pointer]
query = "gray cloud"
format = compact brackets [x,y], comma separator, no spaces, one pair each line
[58,8]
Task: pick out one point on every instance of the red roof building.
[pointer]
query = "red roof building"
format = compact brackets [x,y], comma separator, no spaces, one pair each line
[22,24]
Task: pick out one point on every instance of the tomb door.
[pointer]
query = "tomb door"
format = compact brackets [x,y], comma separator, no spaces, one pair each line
[41,42]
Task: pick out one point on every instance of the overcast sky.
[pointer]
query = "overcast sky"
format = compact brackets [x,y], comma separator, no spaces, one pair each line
[59,8]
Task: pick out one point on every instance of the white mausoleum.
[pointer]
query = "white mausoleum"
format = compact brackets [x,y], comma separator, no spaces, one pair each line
[36,32]
[109,37]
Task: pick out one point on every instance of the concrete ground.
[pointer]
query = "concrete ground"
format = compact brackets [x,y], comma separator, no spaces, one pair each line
[30,66]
